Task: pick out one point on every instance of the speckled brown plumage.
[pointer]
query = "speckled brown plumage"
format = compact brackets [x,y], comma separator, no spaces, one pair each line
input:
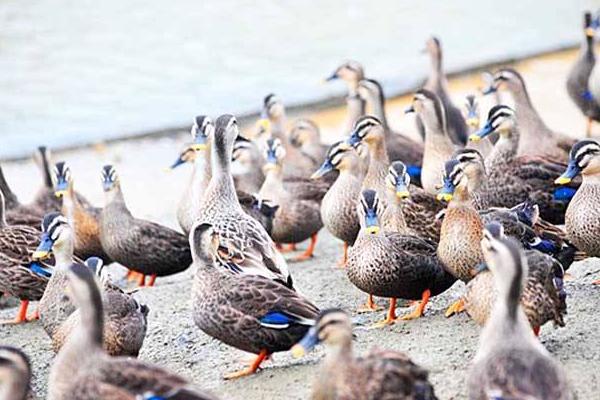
[143,246]
[231,308]
[540,299]
[582,219]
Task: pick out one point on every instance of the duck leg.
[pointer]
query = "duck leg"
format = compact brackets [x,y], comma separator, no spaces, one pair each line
[250,369]
[369,307]
[152,280]
[457,307]
[390,318]
[420,309]
[309,251]
[342,262]
[141,279]
[21,314]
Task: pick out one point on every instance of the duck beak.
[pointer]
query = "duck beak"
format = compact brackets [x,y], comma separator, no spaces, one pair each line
[264,124]
[572,171]
[61,188]
[447,192]
[200,143]
[371,223]
[326,167]
[472,119]
[44,248]
[331,77]
[402,192]
[492,88]
[177,163]
[409,109]
[480,134]
[353,140]
[308,342]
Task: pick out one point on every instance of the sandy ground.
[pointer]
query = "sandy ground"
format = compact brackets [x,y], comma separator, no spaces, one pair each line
[443,346]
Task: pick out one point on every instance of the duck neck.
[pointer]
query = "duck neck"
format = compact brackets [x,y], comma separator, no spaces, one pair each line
[590,179]
[278,127]
[504,150]
[201,175]
[436,69]
[63,255]
[89,332]
[116,201]
[393,219]
[10,198]
[70,203]
[356,109]
[221,184]
[526,113]
[587,47]
[2,211]
[461,198]
[378,164]
[377,104]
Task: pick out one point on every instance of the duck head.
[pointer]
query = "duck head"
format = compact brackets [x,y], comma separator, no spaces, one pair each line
[57,238]
[350,72]
[506,79]
[333,327]
[429,107]
[500,119]
[304,131]
[583,158]
[398,180]
[471,111]
[367,129]
[61,178]
[340,156]
[274,155]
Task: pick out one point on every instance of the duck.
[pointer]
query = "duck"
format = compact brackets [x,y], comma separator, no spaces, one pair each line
[306,135]
[378,374]
[582,217]
[541,299]
[20,275]
[393,264]
[351,72]
[85,220]
[144,246]
[368,132]
[198,154]
[246,247]
[15,374]
[509,179]
[274,122]
[578,79]
[247,165]
[126,318]
[471,114]
[249,312]
[83,370]
[510,362]
[399,147]
[438,144]
[338,207]
[298,216]
[536,138]
[437,83]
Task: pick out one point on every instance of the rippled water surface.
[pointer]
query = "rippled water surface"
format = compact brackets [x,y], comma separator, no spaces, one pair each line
[80,71]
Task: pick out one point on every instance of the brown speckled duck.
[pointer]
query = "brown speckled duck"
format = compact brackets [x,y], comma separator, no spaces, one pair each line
[246,247]
[125,326]
[249,312]
[83,370]
[298,215]
[393,264]
[541,299]
[379,374]
[143,246]
[582,219]
[20,275]
[510,362]
[305,135]
[338,208]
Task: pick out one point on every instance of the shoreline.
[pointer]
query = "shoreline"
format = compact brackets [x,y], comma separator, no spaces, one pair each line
[315,107]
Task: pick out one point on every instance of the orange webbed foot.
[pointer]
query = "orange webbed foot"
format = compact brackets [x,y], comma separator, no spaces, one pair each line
[457,307]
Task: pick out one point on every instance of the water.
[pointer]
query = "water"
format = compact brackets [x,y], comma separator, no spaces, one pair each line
[75,72]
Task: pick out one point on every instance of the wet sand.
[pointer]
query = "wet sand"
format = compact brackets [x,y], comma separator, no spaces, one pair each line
[443,346]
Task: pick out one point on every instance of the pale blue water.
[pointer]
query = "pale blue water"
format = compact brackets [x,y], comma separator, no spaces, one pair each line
[78,71]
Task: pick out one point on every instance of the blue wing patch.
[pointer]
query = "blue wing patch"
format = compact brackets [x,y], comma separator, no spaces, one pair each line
[587,95]
[564,193]
[276,320]
[414,171]
[38,269]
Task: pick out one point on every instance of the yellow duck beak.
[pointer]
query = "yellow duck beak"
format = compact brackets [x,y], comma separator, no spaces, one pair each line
[199,146]
[403,194]
[60,193]
[298,351]
[444,197]
[562,180]
[39,255]
[372,229]
[264,123]
[474,138]
[473,122]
